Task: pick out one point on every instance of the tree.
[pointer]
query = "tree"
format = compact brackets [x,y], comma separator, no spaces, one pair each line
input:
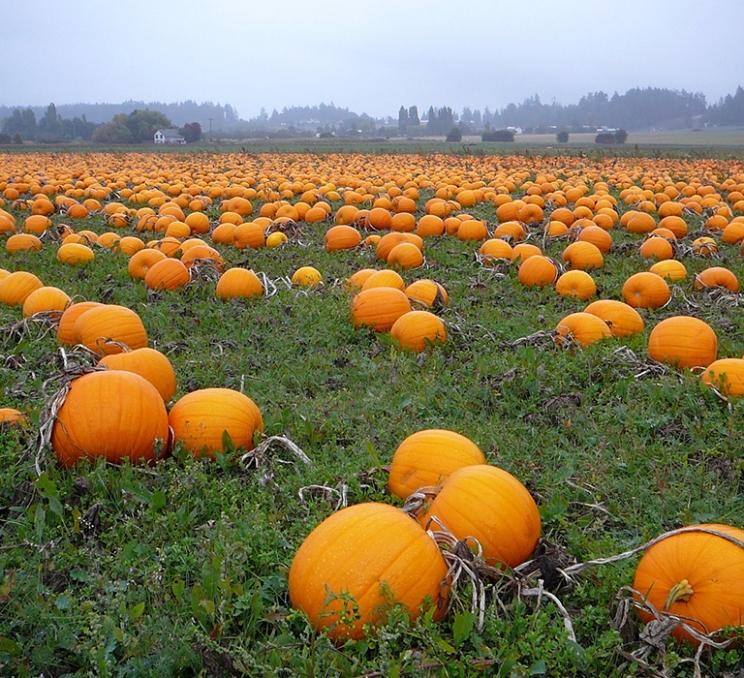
[144,124]
[498,135]
[191,132]
[431,119]
[413,117]
[562,137]
[50,125]
[5,138]
[402,119]
[21,122]
[114,132]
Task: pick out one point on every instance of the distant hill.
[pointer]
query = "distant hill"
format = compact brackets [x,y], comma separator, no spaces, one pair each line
[181,113]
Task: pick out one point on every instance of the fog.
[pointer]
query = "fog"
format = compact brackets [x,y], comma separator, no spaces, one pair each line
[370,57]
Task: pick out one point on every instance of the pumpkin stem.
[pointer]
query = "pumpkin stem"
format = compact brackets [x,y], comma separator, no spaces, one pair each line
[681,592]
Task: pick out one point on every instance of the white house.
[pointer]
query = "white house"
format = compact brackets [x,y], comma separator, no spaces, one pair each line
[168,136]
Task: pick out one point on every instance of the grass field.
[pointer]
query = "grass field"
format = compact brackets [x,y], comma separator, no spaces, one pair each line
[180,569]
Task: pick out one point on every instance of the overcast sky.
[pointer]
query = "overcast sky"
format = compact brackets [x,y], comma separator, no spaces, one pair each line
[370,56]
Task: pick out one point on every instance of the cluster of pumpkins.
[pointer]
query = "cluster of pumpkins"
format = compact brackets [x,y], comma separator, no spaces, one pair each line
[366,556]
[359,562]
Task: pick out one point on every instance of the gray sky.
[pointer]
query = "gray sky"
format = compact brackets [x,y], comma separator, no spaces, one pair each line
[369,56]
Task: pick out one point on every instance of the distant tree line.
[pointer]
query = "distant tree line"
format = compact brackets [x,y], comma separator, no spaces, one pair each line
[22,125]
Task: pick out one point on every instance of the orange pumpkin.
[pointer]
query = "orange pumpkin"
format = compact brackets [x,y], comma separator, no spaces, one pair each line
[342,237]
[428,457]
[583,255]
[22,242]
[141,262]
[379,308]
[237,283]
[384,278]
[15,288]
[585,328]
[577,284]
[622,319]
[716,276]
[365,558]
[427,292]
[112,414]
[495,248]
[406,255]
[201,420]
[646,290]
[74,254]
[45,299]
[150,364]
[66,329]
[670,269]
[415,330]
[306,276]
[657,248]
[727,375]
[537,271]
[167,274]
[357,280]
[103,327]
[683,341]
[491,505]
[695,576]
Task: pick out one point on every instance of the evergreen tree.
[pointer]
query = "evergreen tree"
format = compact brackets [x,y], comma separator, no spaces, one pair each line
[402,119]
[413,117]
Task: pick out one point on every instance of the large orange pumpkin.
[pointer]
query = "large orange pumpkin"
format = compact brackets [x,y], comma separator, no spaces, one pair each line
[14,288]
[66,329]
[716,276]
[683,341]
[427,292]
[622,319]
[727,375]
[646,290]
[696,576]
[415,330]
[111,414]
[341,237]
[577,284]
[491,505]
[537,271]
[583,255]
[236,283]
[201,419]
[361,561]
[103,327]
[45,299]
[379,308]
[167,274]
[585,328]
[428,457]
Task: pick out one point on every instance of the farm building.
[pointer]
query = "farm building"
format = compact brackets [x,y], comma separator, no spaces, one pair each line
[168,136]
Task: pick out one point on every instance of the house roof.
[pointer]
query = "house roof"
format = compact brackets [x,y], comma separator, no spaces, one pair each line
[170,133]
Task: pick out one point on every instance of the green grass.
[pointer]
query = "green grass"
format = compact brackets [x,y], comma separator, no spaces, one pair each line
[181,569]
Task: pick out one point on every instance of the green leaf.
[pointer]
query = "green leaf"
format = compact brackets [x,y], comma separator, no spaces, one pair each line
[9,646]
[178,587]
[462,627]
[55,507]
[136,612]
[158,500]
[539,668]
[444,646]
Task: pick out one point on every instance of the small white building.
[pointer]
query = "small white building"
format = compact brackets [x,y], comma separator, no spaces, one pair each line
[168,136]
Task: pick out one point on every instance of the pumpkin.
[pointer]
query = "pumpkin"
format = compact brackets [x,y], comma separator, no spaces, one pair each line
[108,240]
[111,414]
[727,375]
[379,308]
[695,576]
[149,364]
[224,234]
[622,319]
[495,248]
[45,299]
[141,262]
[168,246]
[646,290]
[406,255]
[306,276]
[676,224]
[250,235]
[130,244]
[427,292]
[597,236]
[430,225]
[358,563]
[201,420]
[276,239]
[198,222]
[103,327]
[705,247]
[357,280]
[66,329]
[341,237]
[22,242]
[670,269]
[12,417]
[472,230]
[583,255]
[585,328]
[415,330]
[491,505]
[683,341]
[37,224]
[577,284]
[537,272]
[733,234]
[657,248]
[74,254]
[641,222]
[236,283]
[167,274]
[525,250]
[202,253]
[428,457]
[15,288]
[716,276]
[384,278]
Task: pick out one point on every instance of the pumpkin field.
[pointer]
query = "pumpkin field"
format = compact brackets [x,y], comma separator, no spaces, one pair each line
[371,414]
